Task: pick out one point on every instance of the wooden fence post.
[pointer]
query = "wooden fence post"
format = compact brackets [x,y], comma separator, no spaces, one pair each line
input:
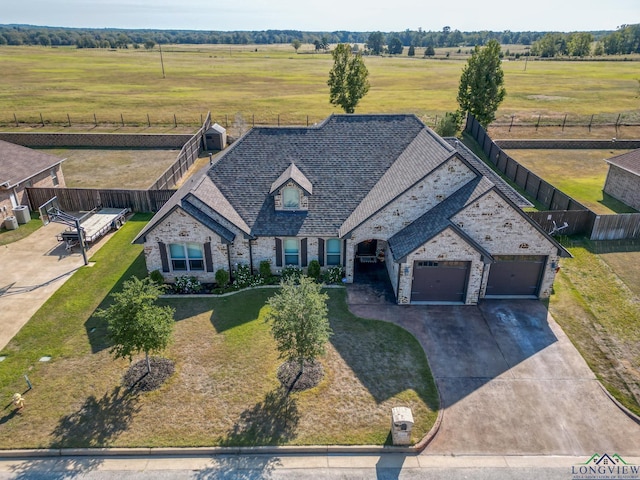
[15,119]
[41,120]
[590,122]
[538,124]
[122,119]
[69,119]
[564,121]
[148,121]
[175,121]
[95,120]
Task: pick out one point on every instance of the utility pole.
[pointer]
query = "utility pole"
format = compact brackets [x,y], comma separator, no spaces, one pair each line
[161,61]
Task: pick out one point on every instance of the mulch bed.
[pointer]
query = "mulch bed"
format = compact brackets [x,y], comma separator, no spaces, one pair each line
[138,379]
[292,380]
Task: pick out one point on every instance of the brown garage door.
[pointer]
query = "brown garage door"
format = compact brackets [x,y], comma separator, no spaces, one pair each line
[515,275]
[439,281]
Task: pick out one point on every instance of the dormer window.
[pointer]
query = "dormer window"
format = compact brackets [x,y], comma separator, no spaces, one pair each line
[291,198]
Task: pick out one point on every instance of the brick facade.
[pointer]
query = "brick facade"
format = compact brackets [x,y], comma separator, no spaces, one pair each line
[624,186]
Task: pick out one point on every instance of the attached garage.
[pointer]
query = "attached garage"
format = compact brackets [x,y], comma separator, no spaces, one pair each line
[439,281]
[515,275]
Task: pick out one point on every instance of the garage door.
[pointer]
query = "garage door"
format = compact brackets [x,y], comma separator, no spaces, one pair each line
[439,281]
[515,275]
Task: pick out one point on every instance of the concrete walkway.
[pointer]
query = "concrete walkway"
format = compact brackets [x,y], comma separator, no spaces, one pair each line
[510,381]
[31,270]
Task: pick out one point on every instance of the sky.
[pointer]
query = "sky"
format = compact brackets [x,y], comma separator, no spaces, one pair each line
[326,15]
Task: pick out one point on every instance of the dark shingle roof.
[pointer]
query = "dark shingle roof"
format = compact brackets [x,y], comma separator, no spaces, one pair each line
[292,173]
[437,219]
[18,163]
[629,161]
[343,158]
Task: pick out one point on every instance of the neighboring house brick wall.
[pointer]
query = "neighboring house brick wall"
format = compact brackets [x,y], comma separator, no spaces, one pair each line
[446,246]
[411,205]
[42,180]
[508,233]
[180,227]
[624,186]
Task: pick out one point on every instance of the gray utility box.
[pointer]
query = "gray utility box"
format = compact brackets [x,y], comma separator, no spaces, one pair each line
[22,213]
[11,223]
[401,425]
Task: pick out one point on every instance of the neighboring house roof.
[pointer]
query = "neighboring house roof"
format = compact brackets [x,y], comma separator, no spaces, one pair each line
[436,220]
[292,173]
[629,161]
[18,164]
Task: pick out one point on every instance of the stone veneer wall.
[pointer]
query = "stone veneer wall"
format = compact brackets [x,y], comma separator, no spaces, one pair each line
[179,227]
[507,233]
[624,186]
[446,246]
[411,205]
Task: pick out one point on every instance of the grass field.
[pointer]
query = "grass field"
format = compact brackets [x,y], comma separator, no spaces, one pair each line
[272,81]
[578,173]
[113,167]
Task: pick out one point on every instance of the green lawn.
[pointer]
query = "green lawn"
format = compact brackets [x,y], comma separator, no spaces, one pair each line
[23,231]
[581,174]
[224,391]
[238,82]
[596,302]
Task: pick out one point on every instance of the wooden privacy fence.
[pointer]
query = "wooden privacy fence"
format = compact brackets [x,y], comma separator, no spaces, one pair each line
[187,156]
[84,199]
[562,208]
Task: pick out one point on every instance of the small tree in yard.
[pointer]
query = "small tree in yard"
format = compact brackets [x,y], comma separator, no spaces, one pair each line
[299,322]
[481,85]
[135,323]
[348,81]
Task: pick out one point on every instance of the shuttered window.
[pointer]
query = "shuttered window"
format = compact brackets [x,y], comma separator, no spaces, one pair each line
[186,257]
[291,251]
[333,251]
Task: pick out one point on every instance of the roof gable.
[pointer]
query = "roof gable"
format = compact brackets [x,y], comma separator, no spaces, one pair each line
[437,219]
[292,173]
[18,163]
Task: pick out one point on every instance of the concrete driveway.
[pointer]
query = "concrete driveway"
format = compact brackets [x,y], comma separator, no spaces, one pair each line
[511,382]
[31,270]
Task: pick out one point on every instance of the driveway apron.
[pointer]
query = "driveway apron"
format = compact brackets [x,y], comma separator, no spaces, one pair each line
[510,381]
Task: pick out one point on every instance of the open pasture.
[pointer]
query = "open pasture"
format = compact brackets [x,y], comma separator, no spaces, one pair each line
[247,83]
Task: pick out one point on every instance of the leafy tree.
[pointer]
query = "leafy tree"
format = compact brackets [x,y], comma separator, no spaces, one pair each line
[412,51]
[550,45]
[149,44]
[395,46]
[348,81]
[598,49]
[579,44]
[135,323]
[299,321]
[375,43]
[296,44]
[429,51]
[449,125]
[481,85]
[317,44]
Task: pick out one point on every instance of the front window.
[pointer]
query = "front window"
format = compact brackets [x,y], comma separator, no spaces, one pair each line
[333,251]
[291,251]
[186,257]
[291,197]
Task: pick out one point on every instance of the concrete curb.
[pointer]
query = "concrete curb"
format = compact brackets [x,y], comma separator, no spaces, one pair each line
[205,451]
[624,409]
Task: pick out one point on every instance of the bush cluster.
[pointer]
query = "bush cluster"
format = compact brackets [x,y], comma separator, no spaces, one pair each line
[187,284]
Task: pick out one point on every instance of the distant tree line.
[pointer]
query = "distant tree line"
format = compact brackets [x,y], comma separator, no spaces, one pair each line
[547,44]
[623,41]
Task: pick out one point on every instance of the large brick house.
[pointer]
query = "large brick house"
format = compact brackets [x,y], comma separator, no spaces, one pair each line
[22,167]
[357,189]
[623,178]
